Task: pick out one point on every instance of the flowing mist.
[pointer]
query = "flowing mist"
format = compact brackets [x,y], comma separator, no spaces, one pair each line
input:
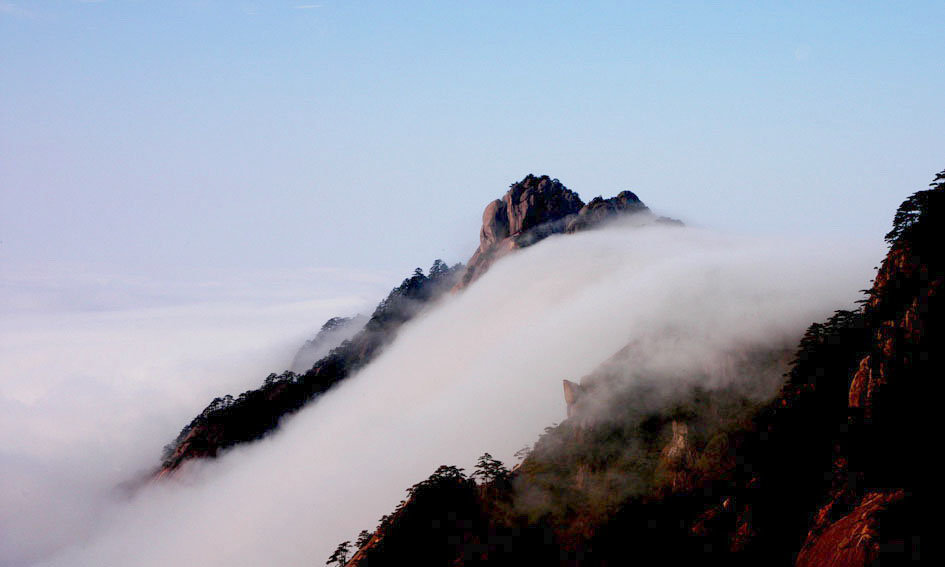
[88,393]
[479,372]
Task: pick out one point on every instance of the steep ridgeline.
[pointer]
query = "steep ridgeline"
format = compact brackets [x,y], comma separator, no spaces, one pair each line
[531,210]
[827,472]
[228,421]
[872,510]
[537,207]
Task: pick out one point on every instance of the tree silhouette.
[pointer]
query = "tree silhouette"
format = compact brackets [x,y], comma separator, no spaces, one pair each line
[363,538]
[490,470]
[439,268]
[340,556]
[911,210]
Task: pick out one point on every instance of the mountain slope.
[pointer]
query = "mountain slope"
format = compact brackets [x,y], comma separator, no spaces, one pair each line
[825,473]
[229,421]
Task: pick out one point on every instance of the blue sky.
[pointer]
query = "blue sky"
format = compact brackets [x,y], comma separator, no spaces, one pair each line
[170,138]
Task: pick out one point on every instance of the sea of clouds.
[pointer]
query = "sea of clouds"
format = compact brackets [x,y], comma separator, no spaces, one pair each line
[89,399]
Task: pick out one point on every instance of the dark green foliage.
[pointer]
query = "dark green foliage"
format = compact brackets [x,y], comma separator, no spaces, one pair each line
[254,413]
[428,528]
[405,300]
[449,520]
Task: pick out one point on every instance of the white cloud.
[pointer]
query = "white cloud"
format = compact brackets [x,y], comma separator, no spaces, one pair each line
[88,397]
[482,372]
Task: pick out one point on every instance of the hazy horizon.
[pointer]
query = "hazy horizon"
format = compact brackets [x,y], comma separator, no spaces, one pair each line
[151,139]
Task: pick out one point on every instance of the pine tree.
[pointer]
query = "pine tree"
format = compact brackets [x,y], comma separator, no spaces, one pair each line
[340,556]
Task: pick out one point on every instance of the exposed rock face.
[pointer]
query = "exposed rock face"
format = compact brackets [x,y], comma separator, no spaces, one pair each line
[871,511]
[535,208]
[534,203]
[856,539]
[572,393]
[600,210]
[532,209]
[844,443]
[678,458]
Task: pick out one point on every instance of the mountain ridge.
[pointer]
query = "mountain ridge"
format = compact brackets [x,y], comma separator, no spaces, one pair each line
[531,210]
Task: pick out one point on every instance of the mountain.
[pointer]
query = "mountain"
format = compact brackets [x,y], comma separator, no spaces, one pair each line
[538,207]
[531,210]
[823,470]
[808,455]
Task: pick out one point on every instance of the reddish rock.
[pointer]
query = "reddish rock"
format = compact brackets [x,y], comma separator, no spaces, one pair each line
[677,459]
[572,393]
[531,210]
[878,465]
[855,539]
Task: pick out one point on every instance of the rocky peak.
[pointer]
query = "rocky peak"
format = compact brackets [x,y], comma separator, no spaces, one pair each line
[532,209]
[528,204]
[600,210]
[535,208]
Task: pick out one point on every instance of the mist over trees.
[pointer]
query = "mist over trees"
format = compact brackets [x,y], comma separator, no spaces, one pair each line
[227,421]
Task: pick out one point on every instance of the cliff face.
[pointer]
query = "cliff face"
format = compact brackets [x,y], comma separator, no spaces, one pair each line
[870,513]
[830,473]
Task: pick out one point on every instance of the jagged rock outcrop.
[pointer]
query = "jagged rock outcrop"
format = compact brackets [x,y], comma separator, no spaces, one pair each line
[532,209]
[535,208]
[600,210]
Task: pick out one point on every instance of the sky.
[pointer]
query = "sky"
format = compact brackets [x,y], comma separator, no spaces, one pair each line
[191,140]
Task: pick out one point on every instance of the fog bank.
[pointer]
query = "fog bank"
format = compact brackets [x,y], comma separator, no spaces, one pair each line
[89,392]
[481,372]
